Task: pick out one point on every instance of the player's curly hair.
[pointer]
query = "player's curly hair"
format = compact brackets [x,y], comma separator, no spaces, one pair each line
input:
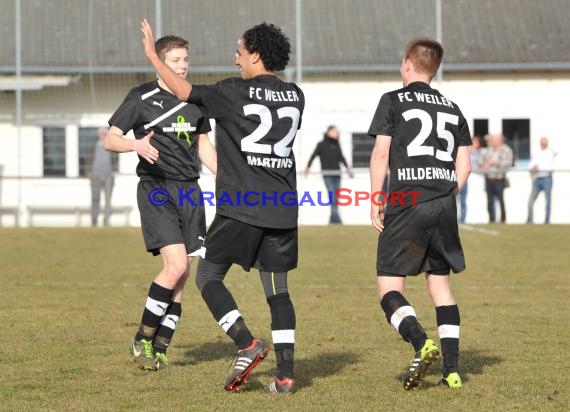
[271,43]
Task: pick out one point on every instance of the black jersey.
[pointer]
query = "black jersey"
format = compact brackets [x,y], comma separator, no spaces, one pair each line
[176,127]
[256,123]
[426,130]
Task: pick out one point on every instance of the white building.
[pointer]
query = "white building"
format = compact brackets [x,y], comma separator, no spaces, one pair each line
[509,77]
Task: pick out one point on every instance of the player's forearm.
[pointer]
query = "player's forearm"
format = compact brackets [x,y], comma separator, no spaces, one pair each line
[180,87]
[378,168]
[207,153]
[379,162]
[116,142]
[462,167]
[462,176]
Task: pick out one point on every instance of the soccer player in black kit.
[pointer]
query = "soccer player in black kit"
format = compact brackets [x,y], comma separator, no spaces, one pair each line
[257,116]
[170,137]
[424,139]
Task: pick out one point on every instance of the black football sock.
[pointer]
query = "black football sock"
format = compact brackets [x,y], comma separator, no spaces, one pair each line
[403,318]
[167,327]
[283,323]
[224,309]
[448,321]
[157,303]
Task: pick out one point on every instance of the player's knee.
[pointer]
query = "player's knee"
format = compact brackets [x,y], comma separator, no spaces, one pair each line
[201,279]
[274,283]
[176,270]
[271,294]
[184,276]
[209,272]
[282,312]
[279,299]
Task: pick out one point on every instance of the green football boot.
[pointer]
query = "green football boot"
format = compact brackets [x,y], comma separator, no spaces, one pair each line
[453,380]
[162,362]
[427,355]
[142,354]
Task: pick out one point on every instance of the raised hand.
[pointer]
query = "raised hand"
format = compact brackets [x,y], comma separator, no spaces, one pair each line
[148,39]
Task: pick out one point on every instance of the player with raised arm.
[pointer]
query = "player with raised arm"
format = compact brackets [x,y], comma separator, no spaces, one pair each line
[170,140]
[257,116]
[424,139]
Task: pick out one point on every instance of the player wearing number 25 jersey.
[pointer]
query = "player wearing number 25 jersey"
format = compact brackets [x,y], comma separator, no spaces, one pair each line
[423,138]
[257,119]
[427,129]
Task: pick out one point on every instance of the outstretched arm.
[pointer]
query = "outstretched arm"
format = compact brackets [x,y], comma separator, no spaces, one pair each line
[180,87]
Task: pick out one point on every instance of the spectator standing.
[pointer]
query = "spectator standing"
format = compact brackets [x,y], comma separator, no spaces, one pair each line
[330,154]
[541,167]
[496,160]
[474,154]
[102,179]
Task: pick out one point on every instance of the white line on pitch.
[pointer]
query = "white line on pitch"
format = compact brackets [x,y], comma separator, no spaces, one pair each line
[482,230]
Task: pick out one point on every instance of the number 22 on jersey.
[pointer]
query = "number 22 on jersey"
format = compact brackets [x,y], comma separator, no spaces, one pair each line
[250,143]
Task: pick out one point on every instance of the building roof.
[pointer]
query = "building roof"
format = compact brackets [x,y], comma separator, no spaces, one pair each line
[337,35]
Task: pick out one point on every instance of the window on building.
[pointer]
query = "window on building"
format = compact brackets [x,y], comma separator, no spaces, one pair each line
[517,135]
[88,137]
[480,127]
[362,145]
[54,151]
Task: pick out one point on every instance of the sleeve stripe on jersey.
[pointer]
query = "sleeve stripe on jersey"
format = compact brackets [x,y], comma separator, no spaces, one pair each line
[168,113]
[148,94]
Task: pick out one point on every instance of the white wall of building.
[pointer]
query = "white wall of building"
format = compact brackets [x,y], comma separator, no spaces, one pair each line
[350,106]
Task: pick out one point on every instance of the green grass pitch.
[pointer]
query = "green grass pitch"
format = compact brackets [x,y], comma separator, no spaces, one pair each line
[71,300]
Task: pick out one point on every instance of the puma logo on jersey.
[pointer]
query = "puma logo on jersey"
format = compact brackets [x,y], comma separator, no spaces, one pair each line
[155,103]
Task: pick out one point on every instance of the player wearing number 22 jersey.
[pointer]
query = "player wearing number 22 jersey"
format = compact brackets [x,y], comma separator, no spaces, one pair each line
[257,118]
[423,138]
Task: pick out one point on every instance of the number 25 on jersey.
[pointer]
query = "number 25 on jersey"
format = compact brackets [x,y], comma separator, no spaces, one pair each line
[417,147]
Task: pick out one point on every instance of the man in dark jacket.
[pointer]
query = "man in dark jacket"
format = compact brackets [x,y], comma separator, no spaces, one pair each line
[330,155]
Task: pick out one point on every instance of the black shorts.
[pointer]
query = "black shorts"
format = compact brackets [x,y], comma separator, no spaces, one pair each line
[166,222]
[232,241]
[421,238]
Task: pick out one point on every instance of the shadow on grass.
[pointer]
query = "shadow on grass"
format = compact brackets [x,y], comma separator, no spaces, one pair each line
[471,362]
[207,352]
[322,365]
